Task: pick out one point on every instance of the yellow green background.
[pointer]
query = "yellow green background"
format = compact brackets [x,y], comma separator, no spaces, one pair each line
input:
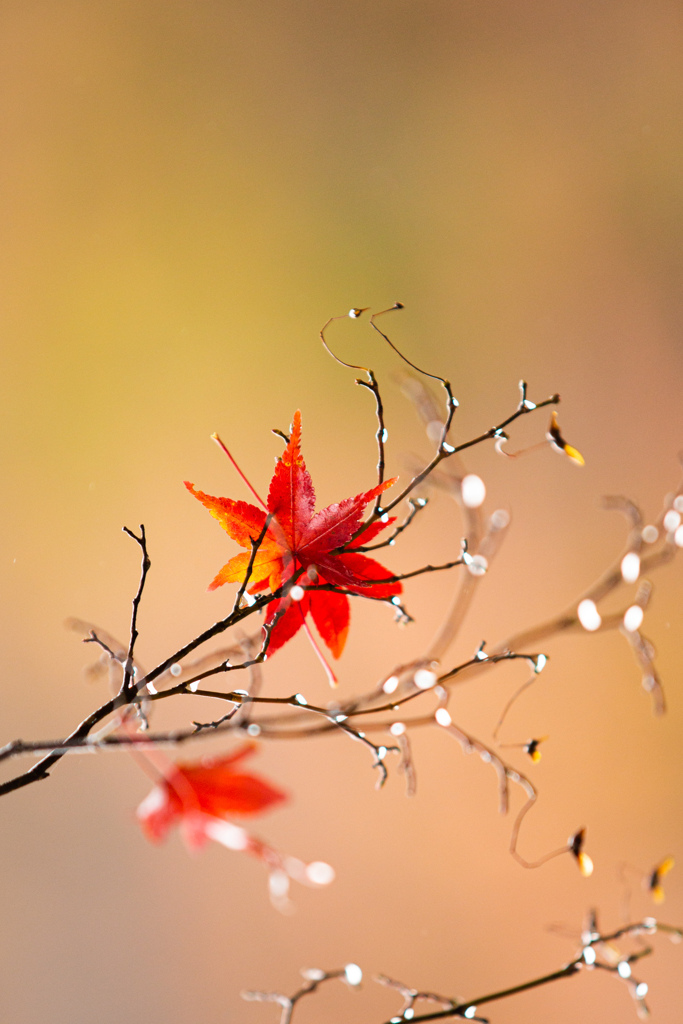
[188,190]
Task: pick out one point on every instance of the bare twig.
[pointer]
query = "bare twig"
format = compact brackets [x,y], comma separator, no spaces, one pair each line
[129,666]
[351,974]
[416,505]
[597,952]
[256,543]
[372,385]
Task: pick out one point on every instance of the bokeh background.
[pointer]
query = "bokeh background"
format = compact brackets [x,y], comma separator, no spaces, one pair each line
[189,190]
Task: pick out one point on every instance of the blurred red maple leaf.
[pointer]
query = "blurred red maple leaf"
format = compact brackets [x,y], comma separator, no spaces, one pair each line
[197,794]
[320,543]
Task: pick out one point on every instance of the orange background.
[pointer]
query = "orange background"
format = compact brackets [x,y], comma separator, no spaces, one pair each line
[188,192]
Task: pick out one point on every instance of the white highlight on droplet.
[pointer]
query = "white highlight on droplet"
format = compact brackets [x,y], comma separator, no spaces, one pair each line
[500,519]
[589,616]
[443,717]
[151,688]
[641,990]
[633,618]
[589,955]
[319,872]
[630,567]
[193,687]
[473,491]
[176,669]
[397,729]
[297,592]
[409,1013]
[312,974]
[624,969]
[278,883]
[540,663]
[353,974]
[390,684]
[476,564]
[470,1012]
[447,448]
[424,678]
[300,699]
[678,537]
[650,534]
[672,520]
[253,729]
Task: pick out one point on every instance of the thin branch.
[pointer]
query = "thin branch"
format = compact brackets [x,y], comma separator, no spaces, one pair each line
[597,952]
[589,958]
[416,505]
[95,639]
[407,765]
[372,385]
[568,620]
[460,1008]
[255,545]
[351,974]
[397,578]
[129,666]
[337,715]
[40,770]
[380,434]
[219,627]
[452,403]
[411,996]
[445,450]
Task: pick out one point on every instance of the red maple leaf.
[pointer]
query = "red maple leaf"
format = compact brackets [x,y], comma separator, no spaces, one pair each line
[298,538]
[197,794]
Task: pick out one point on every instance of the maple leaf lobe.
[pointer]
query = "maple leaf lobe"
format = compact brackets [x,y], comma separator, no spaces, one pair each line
[298,538]
[208,788]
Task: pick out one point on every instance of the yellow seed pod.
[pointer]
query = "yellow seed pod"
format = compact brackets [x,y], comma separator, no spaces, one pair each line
[554,435]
